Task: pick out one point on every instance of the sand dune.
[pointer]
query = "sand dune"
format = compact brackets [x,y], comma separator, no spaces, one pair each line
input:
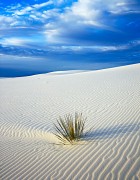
[110,99]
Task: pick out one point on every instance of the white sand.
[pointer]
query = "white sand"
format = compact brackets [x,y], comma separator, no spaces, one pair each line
[110,99]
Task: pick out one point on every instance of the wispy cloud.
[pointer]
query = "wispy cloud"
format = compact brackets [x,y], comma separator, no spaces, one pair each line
[91,19]
[20,47]
[14,41]
[82,25]
[6,21]
[68,34]
[32,8]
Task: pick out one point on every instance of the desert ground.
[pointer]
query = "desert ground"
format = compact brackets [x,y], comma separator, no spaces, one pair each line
[29,107]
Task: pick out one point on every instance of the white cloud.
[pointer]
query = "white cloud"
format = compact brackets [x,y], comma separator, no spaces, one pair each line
[37,6]
[93,11]
[123,7]
[113,48]
[44,15]
[5,21]
[51,34]
[32,8]
[23,11]
[14,41]
[94,48]
[85,9]
[59,25]
[85,13]
[37,12]
[60,1]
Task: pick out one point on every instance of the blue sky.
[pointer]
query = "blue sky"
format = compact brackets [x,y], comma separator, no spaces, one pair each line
[44,36]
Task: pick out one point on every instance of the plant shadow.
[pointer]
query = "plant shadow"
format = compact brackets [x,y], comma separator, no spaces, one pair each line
[111,132]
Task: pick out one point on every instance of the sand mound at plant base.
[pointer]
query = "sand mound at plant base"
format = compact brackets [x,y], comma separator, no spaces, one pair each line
[110,99]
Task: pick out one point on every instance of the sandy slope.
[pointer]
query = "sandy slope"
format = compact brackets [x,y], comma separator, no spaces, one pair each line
[110,99]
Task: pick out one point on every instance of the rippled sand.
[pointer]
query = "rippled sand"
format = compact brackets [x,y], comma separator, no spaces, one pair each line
[110,99]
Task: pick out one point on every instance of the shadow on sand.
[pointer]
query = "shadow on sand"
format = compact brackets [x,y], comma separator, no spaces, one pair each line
[112,132]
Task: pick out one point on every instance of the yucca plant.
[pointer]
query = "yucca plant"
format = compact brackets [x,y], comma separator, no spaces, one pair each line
[70,129]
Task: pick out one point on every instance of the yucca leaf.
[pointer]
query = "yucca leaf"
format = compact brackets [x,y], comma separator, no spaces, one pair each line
[70,129]
[62,135]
